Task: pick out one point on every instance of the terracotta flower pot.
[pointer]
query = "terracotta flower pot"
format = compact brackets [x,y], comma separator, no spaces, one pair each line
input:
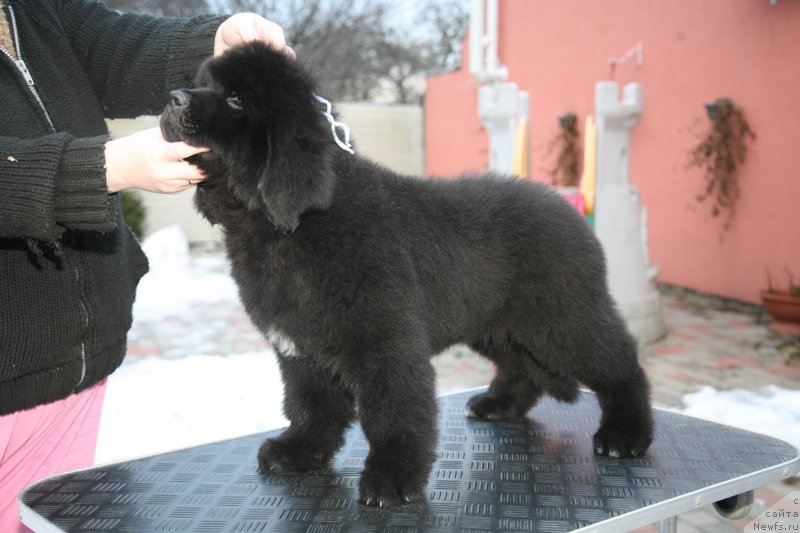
[781,305]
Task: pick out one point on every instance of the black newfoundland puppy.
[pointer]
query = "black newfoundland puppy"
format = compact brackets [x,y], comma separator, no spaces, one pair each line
[358,276]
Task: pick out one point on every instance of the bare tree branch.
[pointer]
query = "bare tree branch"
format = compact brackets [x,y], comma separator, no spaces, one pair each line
[353,47]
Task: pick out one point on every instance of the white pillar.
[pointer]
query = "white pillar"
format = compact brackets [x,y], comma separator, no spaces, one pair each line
[620,220]
[501,106]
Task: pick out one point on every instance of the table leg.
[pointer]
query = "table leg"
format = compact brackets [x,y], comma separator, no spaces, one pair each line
[668,525]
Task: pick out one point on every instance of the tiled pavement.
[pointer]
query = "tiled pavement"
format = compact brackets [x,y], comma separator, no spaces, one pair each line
[709,342]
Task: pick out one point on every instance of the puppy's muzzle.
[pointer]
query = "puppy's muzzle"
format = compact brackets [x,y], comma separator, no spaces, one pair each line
[172,119]
[179,99]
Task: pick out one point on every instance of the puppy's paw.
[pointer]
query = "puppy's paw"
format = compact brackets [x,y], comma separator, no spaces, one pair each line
[288,455]
[613,442]
[379,489]
[486,407]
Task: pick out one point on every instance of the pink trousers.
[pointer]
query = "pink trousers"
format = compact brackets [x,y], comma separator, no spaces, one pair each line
[43,441]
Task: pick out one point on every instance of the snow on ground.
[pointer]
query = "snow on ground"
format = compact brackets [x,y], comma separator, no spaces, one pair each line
[156,405]
[171,286]
[770,410]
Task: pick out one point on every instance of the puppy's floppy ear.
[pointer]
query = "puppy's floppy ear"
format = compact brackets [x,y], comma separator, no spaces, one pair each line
[287,168]
[298,175]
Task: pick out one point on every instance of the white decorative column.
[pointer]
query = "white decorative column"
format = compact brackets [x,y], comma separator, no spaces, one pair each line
[501,107]
[620,219]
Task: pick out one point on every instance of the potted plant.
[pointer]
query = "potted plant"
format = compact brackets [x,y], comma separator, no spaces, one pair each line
[720,153]
[782,304]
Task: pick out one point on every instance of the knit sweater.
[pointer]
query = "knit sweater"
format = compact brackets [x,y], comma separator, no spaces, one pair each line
[68,265]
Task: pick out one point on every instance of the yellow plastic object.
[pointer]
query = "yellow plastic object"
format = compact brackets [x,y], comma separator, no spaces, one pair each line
[589,178]
[521,149]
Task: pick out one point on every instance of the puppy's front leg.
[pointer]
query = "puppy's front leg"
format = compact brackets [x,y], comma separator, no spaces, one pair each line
[319,409]
[397,409]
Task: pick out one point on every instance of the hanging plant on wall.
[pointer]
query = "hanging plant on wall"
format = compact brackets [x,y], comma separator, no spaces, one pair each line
[565,173]
[720,153]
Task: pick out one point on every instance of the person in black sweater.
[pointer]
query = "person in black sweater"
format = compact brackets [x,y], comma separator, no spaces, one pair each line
[68,264]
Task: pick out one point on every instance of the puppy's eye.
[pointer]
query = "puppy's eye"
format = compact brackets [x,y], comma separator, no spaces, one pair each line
[234,102]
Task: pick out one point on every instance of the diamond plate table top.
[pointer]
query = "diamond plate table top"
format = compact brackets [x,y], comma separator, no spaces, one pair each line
[533,474]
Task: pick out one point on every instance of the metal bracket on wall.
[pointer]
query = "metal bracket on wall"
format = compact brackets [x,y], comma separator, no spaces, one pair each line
[636,51]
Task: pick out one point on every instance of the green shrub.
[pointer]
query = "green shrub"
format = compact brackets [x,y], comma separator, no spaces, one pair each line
[134,212]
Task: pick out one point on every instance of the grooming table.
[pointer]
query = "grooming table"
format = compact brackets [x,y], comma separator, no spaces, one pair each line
[535,474]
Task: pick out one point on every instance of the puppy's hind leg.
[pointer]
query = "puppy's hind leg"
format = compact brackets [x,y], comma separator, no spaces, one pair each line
[319,408]
[512,392]
[626,424]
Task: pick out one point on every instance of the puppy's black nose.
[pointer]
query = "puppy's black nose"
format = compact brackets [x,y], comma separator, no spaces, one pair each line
[179,98]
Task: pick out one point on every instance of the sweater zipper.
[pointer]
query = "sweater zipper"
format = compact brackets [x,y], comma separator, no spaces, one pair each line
[26,74]
[85,319]
[23,68]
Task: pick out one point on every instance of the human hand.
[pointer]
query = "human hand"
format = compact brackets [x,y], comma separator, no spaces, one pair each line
[146,161]
[245,27]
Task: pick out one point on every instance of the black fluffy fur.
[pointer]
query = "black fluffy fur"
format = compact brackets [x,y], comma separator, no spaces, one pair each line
[360,275]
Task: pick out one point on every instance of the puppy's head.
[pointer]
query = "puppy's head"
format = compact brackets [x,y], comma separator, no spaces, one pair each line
[254,107]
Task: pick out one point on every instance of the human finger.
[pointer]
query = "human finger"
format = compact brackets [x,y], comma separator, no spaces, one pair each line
[246,27]
[270,33]
[178,151]
[235,30]
[175,177]
[273,35]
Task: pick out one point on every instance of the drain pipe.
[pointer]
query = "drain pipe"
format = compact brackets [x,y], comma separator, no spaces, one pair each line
[502,107]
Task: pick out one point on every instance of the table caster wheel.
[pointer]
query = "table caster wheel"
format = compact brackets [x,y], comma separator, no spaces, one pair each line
[735,507]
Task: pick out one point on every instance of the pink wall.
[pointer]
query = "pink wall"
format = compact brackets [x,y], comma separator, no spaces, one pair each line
[694,52]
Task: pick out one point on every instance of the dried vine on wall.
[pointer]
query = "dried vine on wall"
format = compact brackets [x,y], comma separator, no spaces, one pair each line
[566,173]
[720,153]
